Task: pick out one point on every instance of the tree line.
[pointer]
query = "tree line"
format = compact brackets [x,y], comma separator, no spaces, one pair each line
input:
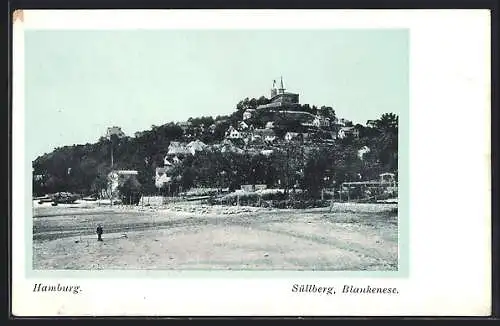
[84,168]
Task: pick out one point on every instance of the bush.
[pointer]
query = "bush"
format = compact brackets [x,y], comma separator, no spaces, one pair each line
[274,196]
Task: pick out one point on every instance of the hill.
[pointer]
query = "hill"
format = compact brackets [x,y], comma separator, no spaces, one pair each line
[323,155]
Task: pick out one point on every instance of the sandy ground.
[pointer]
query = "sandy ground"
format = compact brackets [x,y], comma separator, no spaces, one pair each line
[195,236]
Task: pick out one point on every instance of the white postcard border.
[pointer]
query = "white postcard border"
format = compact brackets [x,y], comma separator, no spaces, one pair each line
[450,217]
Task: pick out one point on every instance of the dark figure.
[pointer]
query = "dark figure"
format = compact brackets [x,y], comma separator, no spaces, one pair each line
[99,232]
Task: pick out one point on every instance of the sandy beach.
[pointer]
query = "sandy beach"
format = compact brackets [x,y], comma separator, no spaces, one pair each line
[190,235]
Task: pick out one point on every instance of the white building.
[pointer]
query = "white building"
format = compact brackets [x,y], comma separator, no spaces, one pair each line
[232,133]
[116,131]
[177,148]
[161,177]
[347,131]
[291,135]
[196,146]
[362,151]
[248,114]
[117,177]
[242,125]
[270,125]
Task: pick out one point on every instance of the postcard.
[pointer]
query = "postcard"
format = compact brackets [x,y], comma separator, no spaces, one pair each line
[251,163]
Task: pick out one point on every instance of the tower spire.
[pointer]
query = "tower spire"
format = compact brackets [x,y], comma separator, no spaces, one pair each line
[282,88]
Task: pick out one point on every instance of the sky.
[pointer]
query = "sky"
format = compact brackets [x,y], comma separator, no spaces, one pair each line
[78,83]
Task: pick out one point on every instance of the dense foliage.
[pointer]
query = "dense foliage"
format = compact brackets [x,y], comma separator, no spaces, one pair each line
[310,166]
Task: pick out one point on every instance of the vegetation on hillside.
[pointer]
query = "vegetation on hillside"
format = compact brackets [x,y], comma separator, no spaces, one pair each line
[311,166]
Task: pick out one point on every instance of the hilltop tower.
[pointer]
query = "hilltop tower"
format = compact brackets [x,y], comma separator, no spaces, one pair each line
[274,91]
[282,88]
[281,100]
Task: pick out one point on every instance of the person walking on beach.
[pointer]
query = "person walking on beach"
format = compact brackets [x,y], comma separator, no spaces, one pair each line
[99,232]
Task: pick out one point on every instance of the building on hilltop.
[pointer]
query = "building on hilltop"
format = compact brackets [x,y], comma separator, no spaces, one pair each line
[281,100]
[116,131]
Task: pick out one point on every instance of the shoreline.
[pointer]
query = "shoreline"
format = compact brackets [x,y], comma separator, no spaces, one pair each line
[196,208]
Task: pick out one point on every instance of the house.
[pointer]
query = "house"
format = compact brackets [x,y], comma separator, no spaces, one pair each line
[242,125]
[267,134]
[322,122]
[195,146]
[344,122]
[252,188]
[266,152]
[281,99]
[118,177]
[247,188]
[211,128]
[291,135]
[228,146]
[260,187]
[176,148]
[387,177]
[38,177]
[254,140]
[161,177]
[116,131]
[362,151]
[232,133]
[270,125]
[347,131]
[167,162]
[184,125]
[248,114]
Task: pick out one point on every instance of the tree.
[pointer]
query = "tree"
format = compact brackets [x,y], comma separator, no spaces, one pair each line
[101,182]
[262,100]
[306,108]
[388,140]
[315,172]
[328,112]
[284,124]
[292,160]
[130,190]
[388,122]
